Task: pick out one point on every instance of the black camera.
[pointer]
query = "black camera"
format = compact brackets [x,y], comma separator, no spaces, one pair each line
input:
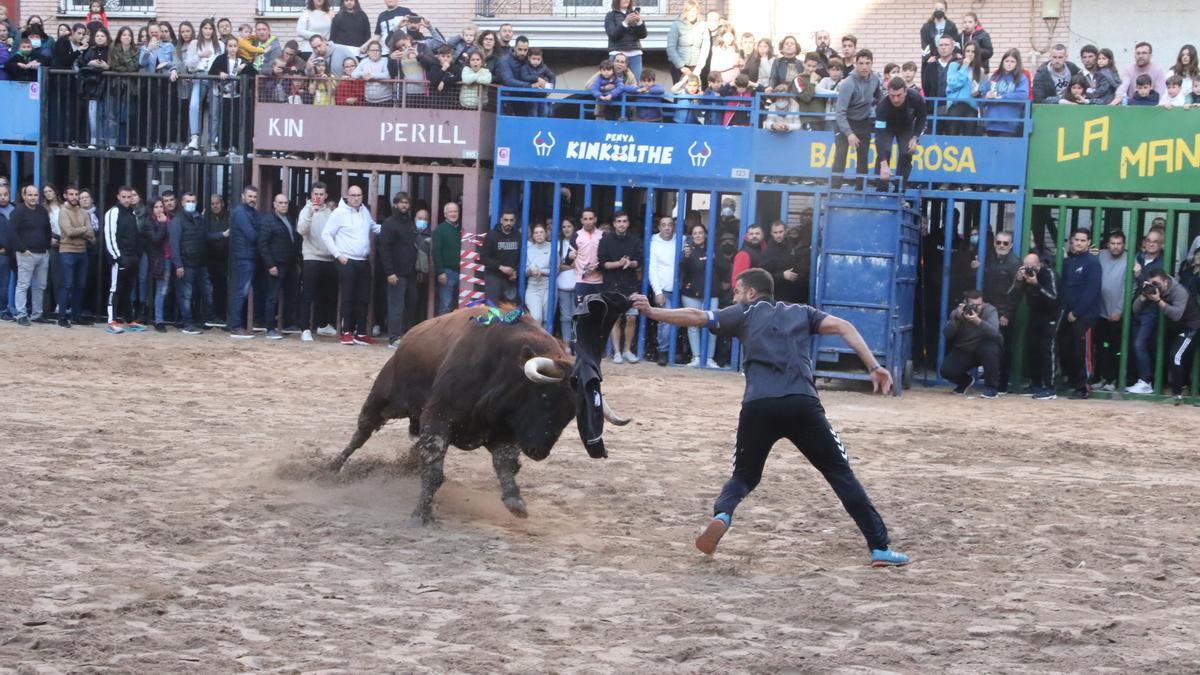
[1030,272]
[1151,288]
[970,309]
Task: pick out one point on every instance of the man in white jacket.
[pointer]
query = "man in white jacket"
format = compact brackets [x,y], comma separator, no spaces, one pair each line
[319,282]
[662,274]
[347,237]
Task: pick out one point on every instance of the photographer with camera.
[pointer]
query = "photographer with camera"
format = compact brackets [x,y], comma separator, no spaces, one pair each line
[1178,304]
[1081,283]
[1145,318]
[1038,286]
[974,330]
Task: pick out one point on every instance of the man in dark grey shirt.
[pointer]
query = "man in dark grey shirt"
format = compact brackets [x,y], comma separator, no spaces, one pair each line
[781,400]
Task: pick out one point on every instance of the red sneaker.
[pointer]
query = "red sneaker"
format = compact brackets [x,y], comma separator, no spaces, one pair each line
[362,340]
[347,339]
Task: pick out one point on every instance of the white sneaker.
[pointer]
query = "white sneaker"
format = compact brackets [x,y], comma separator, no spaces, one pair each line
[306,336]
[327,331]
[212,153]
[194,144]
[694,363]
[713,364]
[631,357]
[617,358]
[1141,387]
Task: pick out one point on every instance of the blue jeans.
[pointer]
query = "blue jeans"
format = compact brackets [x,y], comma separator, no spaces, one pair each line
[6,283]
[1145,327]
[74,280]
[665,331]
[694,333]
[566,310]
[447,294]
[193,279]
[202,95]
[162,285]
[239,290]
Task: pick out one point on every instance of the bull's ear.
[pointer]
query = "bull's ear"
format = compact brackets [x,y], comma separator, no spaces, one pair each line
[526,354]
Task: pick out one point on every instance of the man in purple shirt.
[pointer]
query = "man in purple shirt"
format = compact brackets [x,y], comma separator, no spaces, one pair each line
[1141,66]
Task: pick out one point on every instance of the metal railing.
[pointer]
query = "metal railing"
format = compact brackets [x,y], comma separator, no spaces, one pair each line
[145,112]
[389,93]
[111,7]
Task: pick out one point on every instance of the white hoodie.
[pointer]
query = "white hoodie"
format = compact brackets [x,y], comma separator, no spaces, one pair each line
[662,264]
[348,232]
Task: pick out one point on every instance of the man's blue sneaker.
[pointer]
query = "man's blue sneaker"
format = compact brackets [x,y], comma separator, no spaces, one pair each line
[1045,395]
[886,557]
[990,393]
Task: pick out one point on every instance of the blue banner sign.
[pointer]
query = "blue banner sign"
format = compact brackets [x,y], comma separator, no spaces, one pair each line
[22,116]
[622,150]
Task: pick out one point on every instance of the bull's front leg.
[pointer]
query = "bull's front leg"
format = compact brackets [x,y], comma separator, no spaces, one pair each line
[506,459]
[431,449]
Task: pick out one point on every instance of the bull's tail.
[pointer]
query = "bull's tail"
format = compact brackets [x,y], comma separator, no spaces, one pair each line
[370,420]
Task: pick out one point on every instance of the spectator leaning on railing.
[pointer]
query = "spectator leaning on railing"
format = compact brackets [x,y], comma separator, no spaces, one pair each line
[1052,79]
[1143,52]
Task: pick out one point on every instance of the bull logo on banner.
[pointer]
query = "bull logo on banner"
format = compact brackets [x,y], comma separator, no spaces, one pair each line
[543,144]
[699,157]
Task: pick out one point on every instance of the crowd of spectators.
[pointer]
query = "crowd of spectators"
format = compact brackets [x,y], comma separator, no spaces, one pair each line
[1075,319]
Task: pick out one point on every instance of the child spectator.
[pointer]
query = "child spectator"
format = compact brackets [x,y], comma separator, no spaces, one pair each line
[710,101]
[1175,94]
[685,105]
[247,50]
[475,80]
[908,71]
[96,15]
[806,85]
[374,70]
[22,66]
[783,112]
[536,71]
[1006,92]
[461,44]
[1105,81]
[444,79]
[1076,93]
[1193,99]
[739,95]
[608,90]
[1144,93]
[726,58]
[828,86]
[349,89]
[648,92]
[403,64]
[274,87]
[321,85]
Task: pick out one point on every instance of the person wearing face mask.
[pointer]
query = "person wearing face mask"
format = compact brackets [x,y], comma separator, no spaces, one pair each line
[934,28]
[189,243]
[319,280]
[22,65]
[424,244]
[398,255]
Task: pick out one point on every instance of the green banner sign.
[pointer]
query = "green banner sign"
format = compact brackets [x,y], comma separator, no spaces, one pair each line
[1093,148]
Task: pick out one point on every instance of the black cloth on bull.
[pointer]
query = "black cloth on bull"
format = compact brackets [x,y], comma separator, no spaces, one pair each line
[594,319]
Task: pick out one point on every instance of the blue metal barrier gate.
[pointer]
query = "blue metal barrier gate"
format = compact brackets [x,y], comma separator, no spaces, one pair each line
[866,249]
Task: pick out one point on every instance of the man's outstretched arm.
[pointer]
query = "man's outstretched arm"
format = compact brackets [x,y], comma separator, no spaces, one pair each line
[686,316]
[880,377]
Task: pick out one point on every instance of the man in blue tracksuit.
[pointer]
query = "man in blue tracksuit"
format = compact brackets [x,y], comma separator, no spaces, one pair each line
[1081,284]
[243,245]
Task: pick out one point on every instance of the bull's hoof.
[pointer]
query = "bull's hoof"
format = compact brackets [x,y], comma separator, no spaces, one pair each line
[335,466]
[422,519]
[516,506]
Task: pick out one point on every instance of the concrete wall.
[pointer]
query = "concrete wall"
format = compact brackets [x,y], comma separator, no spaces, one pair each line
[1119,25]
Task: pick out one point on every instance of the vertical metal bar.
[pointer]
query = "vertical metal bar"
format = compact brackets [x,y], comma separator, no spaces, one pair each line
[985,216]
[647,227]
[680,218]
[526,191]
[1168,258]
[552,292]
[1131,232]
[714,211]
[1060,238]
[948,226]
[676,294]
[587,195]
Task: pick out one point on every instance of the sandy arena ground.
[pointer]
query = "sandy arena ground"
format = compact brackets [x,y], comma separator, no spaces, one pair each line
[163,509]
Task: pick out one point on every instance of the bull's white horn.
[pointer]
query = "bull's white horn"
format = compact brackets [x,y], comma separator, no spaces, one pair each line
[612,416]
[536,367]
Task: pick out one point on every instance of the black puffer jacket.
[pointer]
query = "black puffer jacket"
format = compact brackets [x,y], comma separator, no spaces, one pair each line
[622,38]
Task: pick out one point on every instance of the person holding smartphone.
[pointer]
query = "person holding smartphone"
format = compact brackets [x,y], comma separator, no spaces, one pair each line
[318,273]
[626,30]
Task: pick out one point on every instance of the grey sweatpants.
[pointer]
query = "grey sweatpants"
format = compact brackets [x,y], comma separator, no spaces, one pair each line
[31,274]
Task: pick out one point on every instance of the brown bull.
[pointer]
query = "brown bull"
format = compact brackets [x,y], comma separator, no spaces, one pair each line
[464,380]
